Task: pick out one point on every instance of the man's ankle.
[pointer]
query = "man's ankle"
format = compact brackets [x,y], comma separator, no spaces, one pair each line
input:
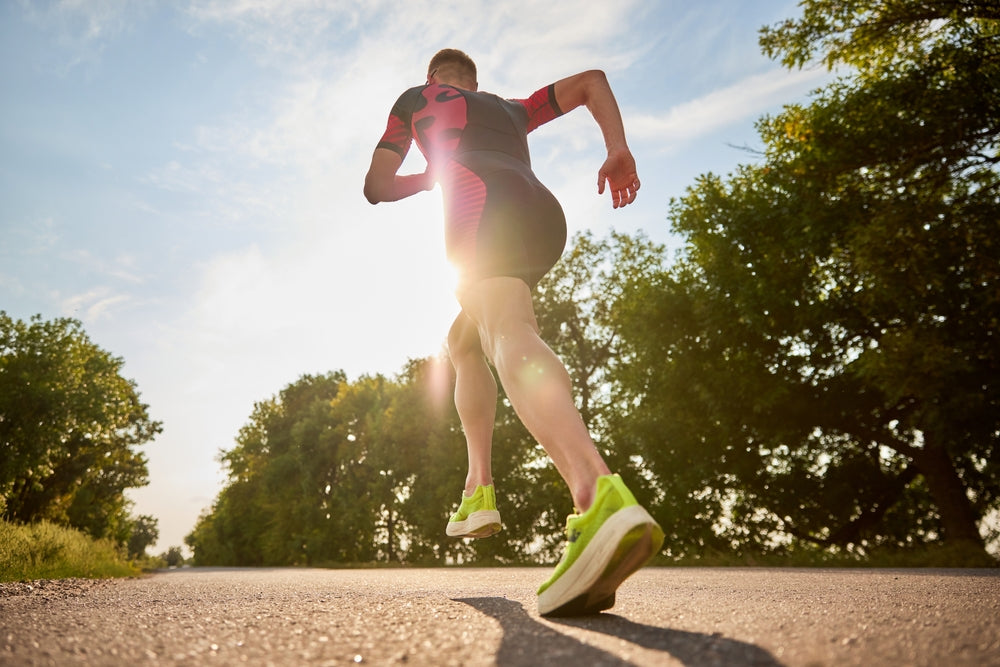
[470,486]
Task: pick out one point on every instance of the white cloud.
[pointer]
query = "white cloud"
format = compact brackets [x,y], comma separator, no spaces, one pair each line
[509,40]
[312,141]
[94,305]
[123,268]
[748,98]
[342,298]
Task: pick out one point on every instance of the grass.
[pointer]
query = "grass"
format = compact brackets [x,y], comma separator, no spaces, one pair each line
[47,551]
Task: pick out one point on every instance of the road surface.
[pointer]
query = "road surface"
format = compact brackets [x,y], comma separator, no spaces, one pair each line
[458,616]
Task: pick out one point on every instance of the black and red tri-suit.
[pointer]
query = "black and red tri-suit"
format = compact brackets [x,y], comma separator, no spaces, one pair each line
[499,218]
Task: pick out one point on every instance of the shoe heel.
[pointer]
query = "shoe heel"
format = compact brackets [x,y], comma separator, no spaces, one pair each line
[635,550]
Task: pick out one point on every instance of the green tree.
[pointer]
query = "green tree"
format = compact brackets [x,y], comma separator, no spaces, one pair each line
[69,428]
[145,531]
[173,557]
[824,355]
[280,473]
[418,449]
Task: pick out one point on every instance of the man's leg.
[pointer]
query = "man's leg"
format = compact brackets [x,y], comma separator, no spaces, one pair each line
[612,536]
[475,399]
[535,380]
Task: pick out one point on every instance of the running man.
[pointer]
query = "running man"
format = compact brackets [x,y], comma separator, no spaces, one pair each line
[504,231]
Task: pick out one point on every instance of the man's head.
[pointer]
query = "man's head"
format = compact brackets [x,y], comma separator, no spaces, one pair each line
[454,68]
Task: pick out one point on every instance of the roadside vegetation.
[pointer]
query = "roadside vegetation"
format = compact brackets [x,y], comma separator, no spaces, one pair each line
[47,551]
[71,432]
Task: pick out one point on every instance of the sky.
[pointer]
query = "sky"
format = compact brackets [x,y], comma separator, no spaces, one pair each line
[184,178]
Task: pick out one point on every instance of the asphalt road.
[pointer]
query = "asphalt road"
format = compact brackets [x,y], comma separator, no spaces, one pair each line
[669,616]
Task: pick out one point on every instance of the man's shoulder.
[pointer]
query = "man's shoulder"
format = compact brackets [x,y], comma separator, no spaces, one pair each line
[409,99]
[414,92]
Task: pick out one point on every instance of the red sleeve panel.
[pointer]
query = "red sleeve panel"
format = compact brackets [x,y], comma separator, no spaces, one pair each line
[397,137]
[398,132]
[541,106]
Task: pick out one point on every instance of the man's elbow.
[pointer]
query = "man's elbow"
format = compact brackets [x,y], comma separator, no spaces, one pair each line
[580,89]
[594,80]
[371,193]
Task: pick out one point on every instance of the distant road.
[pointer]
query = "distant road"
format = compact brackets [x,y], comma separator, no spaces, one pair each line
[670,616]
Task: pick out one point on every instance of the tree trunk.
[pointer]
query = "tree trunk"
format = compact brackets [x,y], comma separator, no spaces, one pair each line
[958,518]
[391,527]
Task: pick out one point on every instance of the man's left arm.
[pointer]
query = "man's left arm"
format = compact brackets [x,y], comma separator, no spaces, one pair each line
[592,90]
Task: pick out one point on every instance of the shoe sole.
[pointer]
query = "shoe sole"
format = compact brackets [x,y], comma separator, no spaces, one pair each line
[479,524]
[628,539]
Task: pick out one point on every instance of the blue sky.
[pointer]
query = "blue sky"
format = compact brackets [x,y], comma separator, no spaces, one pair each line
[185,178]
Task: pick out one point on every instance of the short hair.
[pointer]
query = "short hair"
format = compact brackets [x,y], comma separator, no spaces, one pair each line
[454,63]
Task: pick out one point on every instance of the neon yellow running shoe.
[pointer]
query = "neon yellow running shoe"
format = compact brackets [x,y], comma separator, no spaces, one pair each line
[606,544]
[477,516]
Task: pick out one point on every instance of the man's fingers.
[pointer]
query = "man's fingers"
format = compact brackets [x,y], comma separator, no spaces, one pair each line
[633,192]
[626,195]
[621,195]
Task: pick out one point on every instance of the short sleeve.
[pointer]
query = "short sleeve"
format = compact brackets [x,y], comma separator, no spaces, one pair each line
[397,137]
[398,131]
[541,106]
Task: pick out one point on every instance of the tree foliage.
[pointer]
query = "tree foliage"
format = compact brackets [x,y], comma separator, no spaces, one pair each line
[369,470]
[144,533]
[70,425]
[874,36]
[362,471]
[829,341]
[173,557]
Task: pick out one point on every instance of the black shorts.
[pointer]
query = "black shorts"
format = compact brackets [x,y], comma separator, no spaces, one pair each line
[520,231]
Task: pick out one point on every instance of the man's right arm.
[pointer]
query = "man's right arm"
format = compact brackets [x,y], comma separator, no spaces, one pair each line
[382,183]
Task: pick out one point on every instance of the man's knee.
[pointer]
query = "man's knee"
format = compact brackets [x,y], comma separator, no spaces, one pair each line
[502,310]
[463,338]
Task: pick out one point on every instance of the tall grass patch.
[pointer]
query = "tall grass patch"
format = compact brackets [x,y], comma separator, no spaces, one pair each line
[47,551]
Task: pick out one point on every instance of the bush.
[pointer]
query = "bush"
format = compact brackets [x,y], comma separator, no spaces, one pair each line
[173,557]
[47,551]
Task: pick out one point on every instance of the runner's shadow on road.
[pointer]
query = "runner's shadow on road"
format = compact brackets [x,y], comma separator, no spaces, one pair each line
[525,641]
[690,648]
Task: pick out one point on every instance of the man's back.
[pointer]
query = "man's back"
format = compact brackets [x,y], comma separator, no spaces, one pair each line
[451,123]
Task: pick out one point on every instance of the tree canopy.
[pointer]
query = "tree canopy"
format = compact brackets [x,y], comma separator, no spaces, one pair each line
[832,326]
[364,471]
[70,426]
